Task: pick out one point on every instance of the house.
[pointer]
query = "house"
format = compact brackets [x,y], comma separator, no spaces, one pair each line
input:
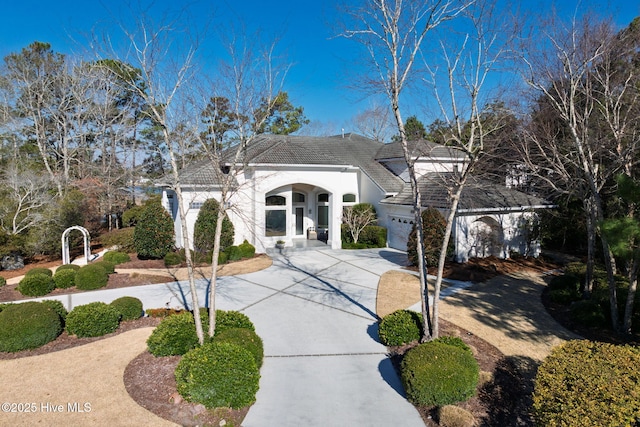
[295,187]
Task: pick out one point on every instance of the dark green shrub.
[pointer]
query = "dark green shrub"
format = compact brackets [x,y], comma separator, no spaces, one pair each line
[588,313]
[3,281]
[91,276]
[564,296]
[121,239]
[74,267]
[566,281]
[588,384]
[36,285]
[39,270]
[130,216]
[374,236]
[454,341]
[204,229]
[116,257]
[153,236]
[92,320]
[28,325]
[58,307]
[109,267]
[222,258]
[172,258]
[247,250]
[65,278]
[434,225]
[437,374]
[246,339]
[400,327]
[175,335]
[232,319]
[218,375]
[233,253]
[130,308]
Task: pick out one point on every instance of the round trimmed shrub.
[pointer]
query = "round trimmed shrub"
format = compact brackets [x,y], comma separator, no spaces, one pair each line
[588,383]
[109,267]
[58,307]
[153,236]
[175,335]
[91,276]
[74,267]
[247,250]
[116,257]
[232,319]
[437,374]
[204,229]
[223,258]
[130,308]
[65,278]
[92,320]
[172,258]
[27,325]
[400,327]
[454,341]
[246,339]
[218,375]
[233,253]
[36,285]
[39,270]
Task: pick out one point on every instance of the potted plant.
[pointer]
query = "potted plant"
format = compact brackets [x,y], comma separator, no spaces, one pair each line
[280,244]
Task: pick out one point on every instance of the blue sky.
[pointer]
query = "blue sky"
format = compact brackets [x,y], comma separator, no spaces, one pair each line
[316,81]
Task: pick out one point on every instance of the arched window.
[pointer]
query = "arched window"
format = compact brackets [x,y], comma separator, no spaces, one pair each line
[298,198]
[323,198]
[348,198]
[275,201]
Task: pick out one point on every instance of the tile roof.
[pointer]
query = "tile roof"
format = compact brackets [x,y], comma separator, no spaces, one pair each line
[478,194]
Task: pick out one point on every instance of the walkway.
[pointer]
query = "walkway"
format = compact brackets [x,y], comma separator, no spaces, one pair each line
[315,311]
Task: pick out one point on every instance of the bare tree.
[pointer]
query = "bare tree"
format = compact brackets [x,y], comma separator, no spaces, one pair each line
[569,68]
[393,35]
[374,123]
[470,58]
[356,218]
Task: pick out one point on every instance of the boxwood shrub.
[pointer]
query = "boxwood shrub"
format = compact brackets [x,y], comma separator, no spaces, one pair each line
[39,270]
[172,258]
[92,320]
[588,383]
[130,308]
[246,339]
[175,335]
[36,285]
[247,250]
[232,319]
[74,267]
[108,266]
[400,327]
[437,374]
[218,374]
[91,276]
[58,307]
[28,325]
[65,278]
[233,253]
[116,257]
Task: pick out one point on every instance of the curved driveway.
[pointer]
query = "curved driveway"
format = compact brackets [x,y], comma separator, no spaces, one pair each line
[315,311]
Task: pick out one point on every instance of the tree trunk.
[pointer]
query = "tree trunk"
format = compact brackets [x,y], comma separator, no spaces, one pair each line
[214,268]
[633,285]
[587,286]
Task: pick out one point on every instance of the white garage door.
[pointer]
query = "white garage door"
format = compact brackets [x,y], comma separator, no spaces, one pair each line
[398,232]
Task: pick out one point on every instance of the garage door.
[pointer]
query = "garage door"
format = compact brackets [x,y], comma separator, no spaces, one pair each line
[398,232]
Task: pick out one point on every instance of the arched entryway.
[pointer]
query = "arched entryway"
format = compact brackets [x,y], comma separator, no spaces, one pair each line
[486,237]
[65,244]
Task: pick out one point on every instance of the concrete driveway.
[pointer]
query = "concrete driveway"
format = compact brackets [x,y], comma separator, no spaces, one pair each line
[315,311]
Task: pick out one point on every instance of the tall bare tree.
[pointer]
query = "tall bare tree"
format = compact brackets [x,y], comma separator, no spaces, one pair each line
[393,34]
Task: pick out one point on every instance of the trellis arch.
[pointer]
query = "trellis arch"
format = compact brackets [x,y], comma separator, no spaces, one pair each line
[65,244]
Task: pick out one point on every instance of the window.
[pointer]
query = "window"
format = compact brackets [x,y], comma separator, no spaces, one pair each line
[349,198]
[298,198]
[195,205]
[323,198]
[275,201]
[275,216]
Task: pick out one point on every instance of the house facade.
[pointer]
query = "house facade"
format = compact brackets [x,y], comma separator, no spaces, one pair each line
[291,188]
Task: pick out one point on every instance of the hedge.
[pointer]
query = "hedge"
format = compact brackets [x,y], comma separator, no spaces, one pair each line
[92,320]
[116,257]
[218,375]
[437,374]
[589,384]
[28,325]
